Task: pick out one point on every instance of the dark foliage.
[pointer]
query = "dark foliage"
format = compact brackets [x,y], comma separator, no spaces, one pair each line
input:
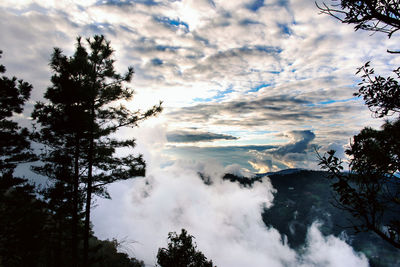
[104,253]
[22,219]
[32,235]
[21,215]
[370,15]
[36,225]
[14,145]
[243,181]
[85,108]
[181,252]
[381,95]
[370,191]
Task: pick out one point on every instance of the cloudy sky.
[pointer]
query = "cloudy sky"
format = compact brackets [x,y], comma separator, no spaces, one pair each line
[264,80]
[248,85]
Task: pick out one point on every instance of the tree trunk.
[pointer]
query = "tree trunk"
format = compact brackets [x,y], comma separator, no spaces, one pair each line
[89,191]
[75,204]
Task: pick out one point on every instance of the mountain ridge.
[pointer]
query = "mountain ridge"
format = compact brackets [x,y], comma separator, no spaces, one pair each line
[303,197]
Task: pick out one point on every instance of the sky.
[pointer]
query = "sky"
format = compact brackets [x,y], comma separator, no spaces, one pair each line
[269,81]
[248,86]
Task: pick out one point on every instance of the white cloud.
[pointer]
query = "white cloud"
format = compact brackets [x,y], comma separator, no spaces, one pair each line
[238,170]
[224,217]
[330,251]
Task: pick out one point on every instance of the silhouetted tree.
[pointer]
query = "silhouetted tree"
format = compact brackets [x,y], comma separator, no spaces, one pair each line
[85,109]
[104,253]
[370,15]
[22,218]
[62,126]
[380,94]
[35,229]
[181,252]
[370,191]
[21,215]
[14,143]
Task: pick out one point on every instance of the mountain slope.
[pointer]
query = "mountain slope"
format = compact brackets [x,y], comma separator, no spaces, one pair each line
[304,197]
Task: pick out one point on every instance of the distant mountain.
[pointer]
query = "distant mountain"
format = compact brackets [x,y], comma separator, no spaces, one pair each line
[305,196]
[281,172]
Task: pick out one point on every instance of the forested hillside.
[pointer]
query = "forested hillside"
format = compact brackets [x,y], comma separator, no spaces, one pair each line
[304,197]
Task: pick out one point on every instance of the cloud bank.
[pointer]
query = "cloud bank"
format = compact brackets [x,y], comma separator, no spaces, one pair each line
[224,217]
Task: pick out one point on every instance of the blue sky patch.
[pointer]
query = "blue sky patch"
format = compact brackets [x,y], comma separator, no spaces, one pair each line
[172,23]
[255,5]
[261,48]
[274,72]
[164,48]
[259,87]
[127,2]
[157,62]
[268,49]
[247,22]
[284,3]
[284,28]
[331,101]
[218,96]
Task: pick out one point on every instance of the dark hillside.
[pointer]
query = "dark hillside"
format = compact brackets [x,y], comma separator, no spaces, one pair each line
[305,196]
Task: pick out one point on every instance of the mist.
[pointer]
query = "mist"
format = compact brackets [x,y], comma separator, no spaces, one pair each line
[224,217]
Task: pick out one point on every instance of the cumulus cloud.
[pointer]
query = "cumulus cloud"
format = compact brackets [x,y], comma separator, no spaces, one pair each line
[298,152]
[299,143]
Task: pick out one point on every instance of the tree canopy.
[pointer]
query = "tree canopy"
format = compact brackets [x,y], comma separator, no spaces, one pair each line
[14,143]
[75,131]
[370,191]
[21,215]
[77,126]
[370,15]
[181,252]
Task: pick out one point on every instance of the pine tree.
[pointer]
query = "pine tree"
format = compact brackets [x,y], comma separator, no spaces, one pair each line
[21,215]
[61,124]
[14,144]
[84,111]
